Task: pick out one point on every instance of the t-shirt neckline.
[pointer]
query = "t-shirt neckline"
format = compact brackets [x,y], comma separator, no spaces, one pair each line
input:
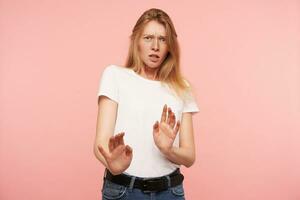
[144,79]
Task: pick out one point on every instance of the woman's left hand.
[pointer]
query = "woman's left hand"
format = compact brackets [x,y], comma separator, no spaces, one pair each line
[164,133]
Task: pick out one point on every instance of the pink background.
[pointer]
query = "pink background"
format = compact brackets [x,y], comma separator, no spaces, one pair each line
[243,58]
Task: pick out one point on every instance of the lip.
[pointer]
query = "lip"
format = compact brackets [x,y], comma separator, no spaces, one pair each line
[154,55]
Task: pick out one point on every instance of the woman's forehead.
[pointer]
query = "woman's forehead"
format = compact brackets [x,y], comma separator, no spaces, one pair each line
[154,28]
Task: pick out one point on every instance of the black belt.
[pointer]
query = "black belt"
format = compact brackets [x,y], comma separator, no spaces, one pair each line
[147,184]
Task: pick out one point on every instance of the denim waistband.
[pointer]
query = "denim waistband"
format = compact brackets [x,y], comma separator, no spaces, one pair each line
[133,178]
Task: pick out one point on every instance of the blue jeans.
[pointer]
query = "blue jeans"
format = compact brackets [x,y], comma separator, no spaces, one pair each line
[112,190]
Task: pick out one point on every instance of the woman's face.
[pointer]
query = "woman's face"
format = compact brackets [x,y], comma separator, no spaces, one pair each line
[153,45]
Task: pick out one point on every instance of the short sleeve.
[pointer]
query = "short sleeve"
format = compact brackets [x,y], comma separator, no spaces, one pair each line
[108,84]
[190,104]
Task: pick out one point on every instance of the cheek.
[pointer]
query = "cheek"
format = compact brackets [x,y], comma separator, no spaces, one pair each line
[141,51]
[142,48]
[165,52]
[164,49]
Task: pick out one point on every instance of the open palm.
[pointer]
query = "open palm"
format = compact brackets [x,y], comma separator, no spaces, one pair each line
[164,133]
[119,156]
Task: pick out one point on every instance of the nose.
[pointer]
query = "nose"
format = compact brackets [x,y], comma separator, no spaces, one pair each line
[155,45]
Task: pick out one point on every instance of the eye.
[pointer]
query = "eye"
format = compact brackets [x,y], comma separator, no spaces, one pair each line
[163,39]
[147,37]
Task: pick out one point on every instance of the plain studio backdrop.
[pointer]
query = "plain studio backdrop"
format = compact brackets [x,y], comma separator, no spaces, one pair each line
[243,58]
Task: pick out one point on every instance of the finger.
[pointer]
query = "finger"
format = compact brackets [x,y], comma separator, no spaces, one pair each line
[173,120]
[103,152]
[121,141]
[111,145]
[119,150]
[118,139]
[169,115]
[156,130]
[128,150]
[155,126]
[177,128]
[164,114]
[115,141]
[164,127]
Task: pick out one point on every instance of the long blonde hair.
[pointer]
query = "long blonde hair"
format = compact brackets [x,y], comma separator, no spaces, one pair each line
[169,72]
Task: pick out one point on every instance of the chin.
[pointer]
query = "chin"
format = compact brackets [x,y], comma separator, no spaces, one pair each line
[153,65]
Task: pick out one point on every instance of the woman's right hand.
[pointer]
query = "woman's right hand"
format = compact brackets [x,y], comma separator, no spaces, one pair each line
[119,156]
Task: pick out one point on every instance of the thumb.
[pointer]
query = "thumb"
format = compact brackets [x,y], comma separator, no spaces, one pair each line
[103,152]
[128,150]
[155,126]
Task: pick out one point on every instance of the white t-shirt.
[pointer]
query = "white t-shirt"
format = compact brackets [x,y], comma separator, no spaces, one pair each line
[140,104]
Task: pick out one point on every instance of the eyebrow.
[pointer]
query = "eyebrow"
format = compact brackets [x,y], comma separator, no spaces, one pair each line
[153,35]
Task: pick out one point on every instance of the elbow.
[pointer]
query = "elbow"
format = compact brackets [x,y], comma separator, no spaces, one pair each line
[191,158]
[190,162]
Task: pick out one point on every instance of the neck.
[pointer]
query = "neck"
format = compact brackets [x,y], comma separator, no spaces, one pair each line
[150,73]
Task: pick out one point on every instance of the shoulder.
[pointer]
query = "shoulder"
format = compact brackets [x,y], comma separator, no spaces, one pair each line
[110,71]
[110,68]
[115,69]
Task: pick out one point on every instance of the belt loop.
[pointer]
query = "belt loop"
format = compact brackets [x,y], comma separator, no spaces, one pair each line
[105,172]
[169,180]
[104,175]
[131,183]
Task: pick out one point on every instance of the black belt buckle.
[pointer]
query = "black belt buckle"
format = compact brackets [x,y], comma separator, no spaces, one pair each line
[153,185]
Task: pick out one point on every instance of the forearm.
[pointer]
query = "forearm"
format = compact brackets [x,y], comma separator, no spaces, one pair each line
[181,156]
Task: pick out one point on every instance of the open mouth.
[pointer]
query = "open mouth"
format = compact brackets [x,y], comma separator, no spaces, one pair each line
[154,57]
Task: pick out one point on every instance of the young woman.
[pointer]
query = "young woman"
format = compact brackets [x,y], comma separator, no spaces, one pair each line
[144,124]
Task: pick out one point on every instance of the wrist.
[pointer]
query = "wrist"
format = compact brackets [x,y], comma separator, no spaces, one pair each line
[167,152]
[113,172]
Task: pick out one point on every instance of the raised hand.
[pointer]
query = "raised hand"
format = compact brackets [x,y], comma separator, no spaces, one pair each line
[164,132]
[119,156]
